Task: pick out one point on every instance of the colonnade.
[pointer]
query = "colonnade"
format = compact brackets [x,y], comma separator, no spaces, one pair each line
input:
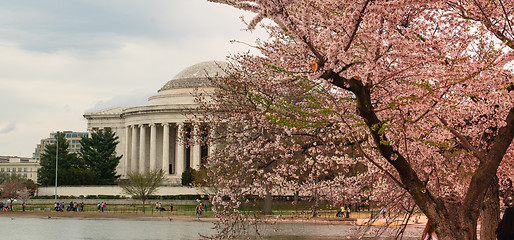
[159,146]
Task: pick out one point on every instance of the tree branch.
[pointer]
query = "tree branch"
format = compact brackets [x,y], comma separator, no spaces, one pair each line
[488,168]
[484,19]
[408,177]
[380,167]
[356,27]
[465,143]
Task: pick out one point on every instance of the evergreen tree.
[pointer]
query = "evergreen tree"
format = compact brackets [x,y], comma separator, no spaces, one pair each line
[71,170]
[99,154]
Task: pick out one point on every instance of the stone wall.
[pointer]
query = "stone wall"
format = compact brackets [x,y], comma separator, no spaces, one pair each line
[108,201]
[112,190]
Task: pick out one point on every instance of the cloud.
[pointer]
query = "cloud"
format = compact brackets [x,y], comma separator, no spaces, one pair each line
[135,98]
[9,128]
[63,58]
[94,25]
[49,26]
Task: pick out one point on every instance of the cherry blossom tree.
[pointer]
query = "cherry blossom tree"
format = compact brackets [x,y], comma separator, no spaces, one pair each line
[14,189]
[265,150]
[422,90]
[265,147]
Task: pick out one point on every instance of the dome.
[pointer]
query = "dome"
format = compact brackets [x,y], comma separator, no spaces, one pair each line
[196,76]
[178,90]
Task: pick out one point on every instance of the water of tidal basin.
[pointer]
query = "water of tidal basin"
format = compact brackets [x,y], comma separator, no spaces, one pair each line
[75,229]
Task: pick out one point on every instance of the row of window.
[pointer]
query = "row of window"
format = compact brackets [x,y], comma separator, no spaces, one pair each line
[24,175]
[14,169]
[51,141]
[71,135]
[70,147]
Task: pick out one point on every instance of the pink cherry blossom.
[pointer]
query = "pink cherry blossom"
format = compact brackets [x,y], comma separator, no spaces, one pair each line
[419,94]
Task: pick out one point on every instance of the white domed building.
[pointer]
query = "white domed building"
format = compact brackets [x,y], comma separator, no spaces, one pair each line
[149,136]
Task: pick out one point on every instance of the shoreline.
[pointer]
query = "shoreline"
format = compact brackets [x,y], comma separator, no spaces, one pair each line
[103,216]
[152,217]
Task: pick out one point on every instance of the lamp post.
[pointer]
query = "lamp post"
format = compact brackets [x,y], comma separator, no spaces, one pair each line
[56,162]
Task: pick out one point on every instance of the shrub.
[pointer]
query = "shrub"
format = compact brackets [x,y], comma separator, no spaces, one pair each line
[188,176]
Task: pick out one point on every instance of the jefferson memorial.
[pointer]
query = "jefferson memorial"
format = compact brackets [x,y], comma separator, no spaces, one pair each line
[150,136]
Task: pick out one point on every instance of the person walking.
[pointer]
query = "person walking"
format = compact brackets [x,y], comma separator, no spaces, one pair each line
[343,210]
[428,233]
[198,209]
[505,230]
[338,213]
[383,212]
[171,208]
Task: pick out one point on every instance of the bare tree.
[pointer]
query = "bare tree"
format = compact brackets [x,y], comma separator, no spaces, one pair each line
[142,185]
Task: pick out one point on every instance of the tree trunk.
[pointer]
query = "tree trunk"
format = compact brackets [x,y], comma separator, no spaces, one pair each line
[315,205]
[268,199]
[490,212]
[295,202]
[454,219]
[450,221]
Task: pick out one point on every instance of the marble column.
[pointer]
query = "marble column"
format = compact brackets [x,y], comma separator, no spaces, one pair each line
[153,147]
[179,151]
[142,148]
[195,150]
[165,148]
[135,151]
[128,152]
[211,145]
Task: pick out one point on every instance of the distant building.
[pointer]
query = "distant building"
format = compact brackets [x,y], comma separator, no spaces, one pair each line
[73,141]
[22,166]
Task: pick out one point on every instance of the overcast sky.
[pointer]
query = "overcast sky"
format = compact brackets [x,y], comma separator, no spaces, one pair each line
[62,58]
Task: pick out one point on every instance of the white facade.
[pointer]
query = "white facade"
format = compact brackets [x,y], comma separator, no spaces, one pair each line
[150,136]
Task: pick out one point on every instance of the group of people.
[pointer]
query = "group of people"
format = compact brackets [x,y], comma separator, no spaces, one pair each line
[159,207]
[6,207]
[101,206]
[344,211]
[200,208]
[72,207]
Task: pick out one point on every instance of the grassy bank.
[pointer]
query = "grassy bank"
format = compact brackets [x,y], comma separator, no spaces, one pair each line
[282,209]
[182,210]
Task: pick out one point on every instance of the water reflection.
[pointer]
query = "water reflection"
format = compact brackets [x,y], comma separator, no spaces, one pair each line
[75,229]
[78,229]
[285,231]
